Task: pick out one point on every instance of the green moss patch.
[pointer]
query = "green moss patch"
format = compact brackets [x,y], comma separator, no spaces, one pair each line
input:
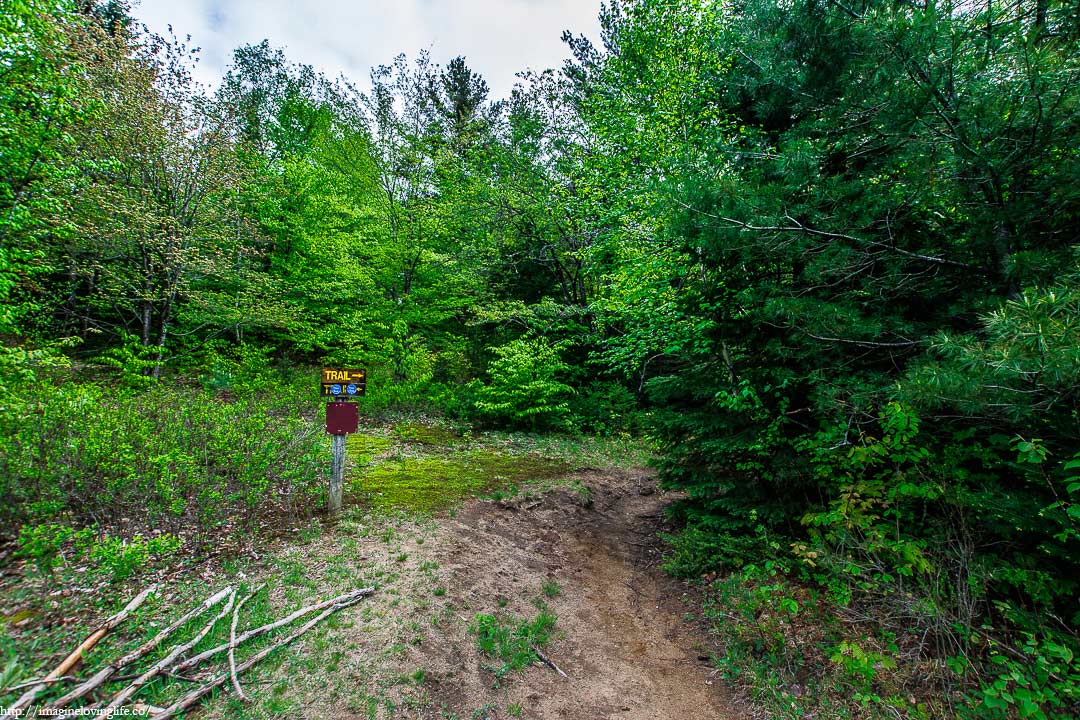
[434,483]
[364,448]
[436,435]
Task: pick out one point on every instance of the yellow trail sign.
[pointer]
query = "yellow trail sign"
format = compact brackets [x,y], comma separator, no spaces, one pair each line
[343,383]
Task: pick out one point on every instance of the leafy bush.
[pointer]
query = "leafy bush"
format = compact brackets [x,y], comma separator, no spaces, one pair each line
[787,645]
[239,368]
[605,408]
[523,389]
[1040,682]
[133,362]
[46,543]
[123,558]
[43,543]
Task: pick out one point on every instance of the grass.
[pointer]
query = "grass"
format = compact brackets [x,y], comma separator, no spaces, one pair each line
[428,468]
[364,448]
[401,477]
[322,665]
[511,641]
[434,435]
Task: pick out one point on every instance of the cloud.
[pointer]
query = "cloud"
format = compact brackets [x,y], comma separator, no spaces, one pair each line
[498,37]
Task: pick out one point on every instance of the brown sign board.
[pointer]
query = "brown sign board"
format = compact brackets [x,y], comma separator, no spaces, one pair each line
[342,418]
[343,383]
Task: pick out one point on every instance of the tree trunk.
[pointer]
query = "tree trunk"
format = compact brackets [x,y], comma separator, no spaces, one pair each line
[166,317]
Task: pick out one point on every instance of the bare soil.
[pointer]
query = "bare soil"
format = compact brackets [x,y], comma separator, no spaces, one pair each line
[623,634]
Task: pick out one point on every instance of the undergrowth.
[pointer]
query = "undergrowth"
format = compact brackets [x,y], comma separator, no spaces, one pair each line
[801,651]
[176,459]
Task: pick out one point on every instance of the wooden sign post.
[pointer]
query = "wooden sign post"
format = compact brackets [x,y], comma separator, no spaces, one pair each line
[342,418]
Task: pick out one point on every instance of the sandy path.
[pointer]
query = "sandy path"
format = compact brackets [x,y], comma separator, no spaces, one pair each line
[623,641]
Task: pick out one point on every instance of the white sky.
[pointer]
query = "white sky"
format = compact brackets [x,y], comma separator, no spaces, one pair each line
[497,37]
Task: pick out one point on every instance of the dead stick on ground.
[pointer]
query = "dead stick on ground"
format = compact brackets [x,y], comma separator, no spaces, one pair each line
[549,662]
[28,683]
[166,674]
[232,645]
[194,696]
[103,675]
[76,655]
[124,695]
[262,630]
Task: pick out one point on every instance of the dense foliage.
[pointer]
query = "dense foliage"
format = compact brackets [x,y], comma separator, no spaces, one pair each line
[826,253]
[861,228]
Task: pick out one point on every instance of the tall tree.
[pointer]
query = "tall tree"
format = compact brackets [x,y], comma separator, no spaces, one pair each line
[842,210]
[459,96]
[154,209]
[41,99]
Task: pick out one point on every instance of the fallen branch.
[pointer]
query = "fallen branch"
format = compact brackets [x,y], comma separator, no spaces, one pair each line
[549,662]
[193,697]
[143,709]
[346,598]
[166,674]
[69,662]
[232,645]
[28,683]
[103,675]
[124,695]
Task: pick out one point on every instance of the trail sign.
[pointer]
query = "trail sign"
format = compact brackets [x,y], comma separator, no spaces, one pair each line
[342,418]
[343,384]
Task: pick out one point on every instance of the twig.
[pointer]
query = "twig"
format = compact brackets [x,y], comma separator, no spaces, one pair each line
[548,661]
[69,662]
[167,674]
[232,645]
[126,694]
[193,697]
[28,683]
[103,675]
[346,598]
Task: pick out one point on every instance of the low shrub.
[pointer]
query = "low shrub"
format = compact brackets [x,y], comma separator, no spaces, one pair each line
[523,390]
[175,459]
[799,655]
[50,544]
[605,408]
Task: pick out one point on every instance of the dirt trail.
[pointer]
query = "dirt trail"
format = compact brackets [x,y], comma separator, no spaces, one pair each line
[623,640]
